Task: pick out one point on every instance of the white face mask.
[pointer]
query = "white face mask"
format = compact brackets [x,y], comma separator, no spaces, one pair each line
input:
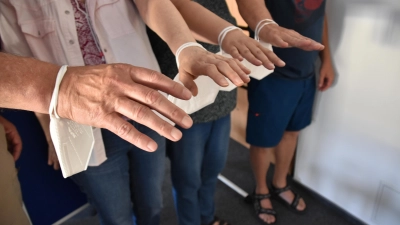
[73,142]
[207,93]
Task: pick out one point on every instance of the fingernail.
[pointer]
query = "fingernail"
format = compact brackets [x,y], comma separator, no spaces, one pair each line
[152,146]
[176,134]
[187,121]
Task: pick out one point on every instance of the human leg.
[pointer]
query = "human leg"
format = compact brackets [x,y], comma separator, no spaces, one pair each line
[107,185]
[300,119]
[214,159]
[11,211]
[147,170]
[272,102]
[186,158]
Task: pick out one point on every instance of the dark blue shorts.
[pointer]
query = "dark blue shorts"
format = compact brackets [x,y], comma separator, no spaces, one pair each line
[276,105]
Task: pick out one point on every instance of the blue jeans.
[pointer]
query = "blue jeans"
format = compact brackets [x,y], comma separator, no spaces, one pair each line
[196,161]
[128,183]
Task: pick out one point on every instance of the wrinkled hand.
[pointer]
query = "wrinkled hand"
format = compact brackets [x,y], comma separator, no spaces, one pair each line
[195,61]
[101,95]
[327,76]
[14,141]
[285,38]
[52,157]
[240,46]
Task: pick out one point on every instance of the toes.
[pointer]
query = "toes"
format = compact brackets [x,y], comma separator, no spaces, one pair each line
[268,218]
[302,205]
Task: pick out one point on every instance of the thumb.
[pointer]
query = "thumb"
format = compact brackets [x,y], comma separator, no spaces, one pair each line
[188,81]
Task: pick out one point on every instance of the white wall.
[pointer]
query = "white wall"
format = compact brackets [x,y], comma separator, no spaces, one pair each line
[351,152]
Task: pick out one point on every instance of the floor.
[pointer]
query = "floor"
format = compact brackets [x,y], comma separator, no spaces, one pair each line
[232,207]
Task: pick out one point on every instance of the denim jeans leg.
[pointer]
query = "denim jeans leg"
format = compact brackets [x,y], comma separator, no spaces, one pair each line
[214,159]
[147,170]
[186,158]
[107,185]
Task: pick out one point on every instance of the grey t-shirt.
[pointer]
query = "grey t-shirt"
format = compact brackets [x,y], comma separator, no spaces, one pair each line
[226,101]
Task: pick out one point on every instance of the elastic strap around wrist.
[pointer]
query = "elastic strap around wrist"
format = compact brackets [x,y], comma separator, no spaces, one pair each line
[186,45]
[260,26]
[223,34]
[54,97]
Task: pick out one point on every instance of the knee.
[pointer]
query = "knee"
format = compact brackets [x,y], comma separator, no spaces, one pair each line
[291,135]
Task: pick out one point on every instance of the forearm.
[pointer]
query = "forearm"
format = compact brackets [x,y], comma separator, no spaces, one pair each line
[164,19]
[253,11]
[205,25]
[326,53]
[44,120]
[26,83]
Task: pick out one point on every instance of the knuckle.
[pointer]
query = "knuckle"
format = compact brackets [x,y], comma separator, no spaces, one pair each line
[221,63]
[141,113]
[152,97]
[259,52]
[246,51]
[164,128]
[138,138]
[124,130]
[153,76]
[175,113]
[210,68]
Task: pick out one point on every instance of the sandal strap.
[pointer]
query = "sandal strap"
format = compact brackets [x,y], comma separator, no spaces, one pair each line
[295,201]
[261,196]
[266,211]
[280,190]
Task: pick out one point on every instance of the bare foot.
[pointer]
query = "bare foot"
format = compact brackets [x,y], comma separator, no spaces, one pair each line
[266,204]
[288,196]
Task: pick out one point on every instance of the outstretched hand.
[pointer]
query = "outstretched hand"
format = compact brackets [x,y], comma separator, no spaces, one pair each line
[102,95]
[195,61]
[286,38]
[240,46]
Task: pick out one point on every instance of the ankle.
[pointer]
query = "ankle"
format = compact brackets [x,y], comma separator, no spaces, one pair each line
[279,184]
[262,190]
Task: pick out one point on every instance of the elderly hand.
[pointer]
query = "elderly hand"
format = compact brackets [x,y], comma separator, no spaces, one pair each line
[101,95]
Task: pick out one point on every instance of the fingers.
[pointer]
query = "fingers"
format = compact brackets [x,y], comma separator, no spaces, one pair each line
[126,131]
[150,98]
[262,56]
[153,79]
[248,55]
[240,69]
[188,81]
[234,52]
[145,116]
[16,144]
[294,39]
[325,83]
[272,57]
[230,68]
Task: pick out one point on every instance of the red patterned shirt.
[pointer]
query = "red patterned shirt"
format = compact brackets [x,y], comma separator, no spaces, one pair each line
[91,54]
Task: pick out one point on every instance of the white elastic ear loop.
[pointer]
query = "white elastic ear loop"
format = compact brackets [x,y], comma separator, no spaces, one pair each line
[257,31]
[186,45]
[261,22]
[54,97]
[223,34]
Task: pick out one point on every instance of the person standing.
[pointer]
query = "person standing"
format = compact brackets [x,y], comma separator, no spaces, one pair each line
[281,104]
[127,186]
[11,206]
